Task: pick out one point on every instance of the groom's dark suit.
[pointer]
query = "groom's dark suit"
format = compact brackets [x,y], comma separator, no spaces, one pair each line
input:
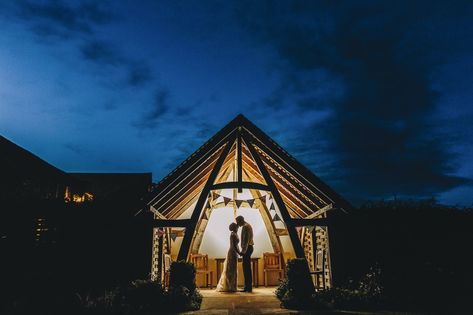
[246,250]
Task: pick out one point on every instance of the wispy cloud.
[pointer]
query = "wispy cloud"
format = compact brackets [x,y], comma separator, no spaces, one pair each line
[369,65]
[77,23]
[159,107]
[64,19]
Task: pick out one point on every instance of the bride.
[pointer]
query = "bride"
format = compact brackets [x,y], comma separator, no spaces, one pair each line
[228,279]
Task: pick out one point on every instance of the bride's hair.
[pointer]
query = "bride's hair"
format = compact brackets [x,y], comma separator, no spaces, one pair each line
[233,226]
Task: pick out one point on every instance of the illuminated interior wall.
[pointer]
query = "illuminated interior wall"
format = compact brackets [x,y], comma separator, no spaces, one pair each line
[216,239]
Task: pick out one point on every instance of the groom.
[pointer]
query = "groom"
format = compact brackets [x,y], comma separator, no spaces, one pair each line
[246,251]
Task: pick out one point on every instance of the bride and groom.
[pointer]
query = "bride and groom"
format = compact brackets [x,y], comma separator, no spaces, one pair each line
[228,279]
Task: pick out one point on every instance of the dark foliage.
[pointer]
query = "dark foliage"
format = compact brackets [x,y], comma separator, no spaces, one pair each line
[140,297]
[182,289]
[367,294]
[296,291]
[423,249]
[182,274]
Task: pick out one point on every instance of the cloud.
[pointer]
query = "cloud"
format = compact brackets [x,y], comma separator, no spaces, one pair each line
[160,106]
[369,64]
[63,19]
[100,52]
[139,74]
[78,24]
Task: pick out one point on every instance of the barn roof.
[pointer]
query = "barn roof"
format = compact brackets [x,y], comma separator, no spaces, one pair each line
[303,193]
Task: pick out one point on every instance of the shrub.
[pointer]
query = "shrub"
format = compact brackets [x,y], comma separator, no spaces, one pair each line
[296,291]
[182,289]
[145,297]
[182,274]
[364,294]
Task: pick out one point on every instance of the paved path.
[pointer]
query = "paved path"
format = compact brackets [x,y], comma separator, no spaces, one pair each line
[261,301]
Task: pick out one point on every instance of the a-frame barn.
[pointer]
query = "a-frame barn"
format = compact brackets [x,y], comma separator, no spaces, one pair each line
[242,170]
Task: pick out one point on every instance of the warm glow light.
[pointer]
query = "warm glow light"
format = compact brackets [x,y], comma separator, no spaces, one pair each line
[216,239]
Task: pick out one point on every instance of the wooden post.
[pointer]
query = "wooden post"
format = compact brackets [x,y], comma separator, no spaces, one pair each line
[189,233]
[299,251]
[160,259]
[239,162]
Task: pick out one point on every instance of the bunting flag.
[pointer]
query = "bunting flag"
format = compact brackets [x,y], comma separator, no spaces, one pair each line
[298,228]
[270,197]
[310,229]
[272,206]
[204,216]
[238,203]
[276,218]
[226,200]
[173,236]
[215,195]
[263,199]
[251,202]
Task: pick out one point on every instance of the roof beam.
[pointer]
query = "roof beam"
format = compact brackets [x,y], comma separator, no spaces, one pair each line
[278,199]
[239,185]
[310,222]
[186,242]
[171,223]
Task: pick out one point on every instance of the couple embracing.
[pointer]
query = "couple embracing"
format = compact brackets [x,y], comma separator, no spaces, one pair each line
[228,279]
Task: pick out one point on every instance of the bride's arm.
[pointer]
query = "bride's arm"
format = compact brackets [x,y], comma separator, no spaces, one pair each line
[235,243]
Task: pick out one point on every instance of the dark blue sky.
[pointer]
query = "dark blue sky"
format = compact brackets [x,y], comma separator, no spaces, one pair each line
[374,97]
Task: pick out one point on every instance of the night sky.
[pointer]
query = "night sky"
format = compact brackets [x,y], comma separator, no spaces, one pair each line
[375,97]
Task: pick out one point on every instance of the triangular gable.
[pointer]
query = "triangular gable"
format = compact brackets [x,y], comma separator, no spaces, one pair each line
[241,156]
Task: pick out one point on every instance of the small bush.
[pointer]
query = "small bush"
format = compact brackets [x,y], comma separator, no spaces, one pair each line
[365,294]
[182,274]
[183,292]
[148,297]
[296,291]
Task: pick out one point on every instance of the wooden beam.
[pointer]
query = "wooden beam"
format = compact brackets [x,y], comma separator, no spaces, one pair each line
[239,163]
[202,224]
[310,222]
[281,232]
[182,187]
[266,216]
[320,211]
[188,165]
[277,198]
[171,223]
[329,195]
[186,242]
[249,185]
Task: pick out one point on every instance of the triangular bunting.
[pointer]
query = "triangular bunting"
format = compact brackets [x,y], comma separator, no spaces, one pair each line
[238,203]
[226,200]
[204,216]
[298,228]
[270,197]
[251,202]
[263,199]
[215,195]
[272,206]
[276,218]
[310,229]
[173,236]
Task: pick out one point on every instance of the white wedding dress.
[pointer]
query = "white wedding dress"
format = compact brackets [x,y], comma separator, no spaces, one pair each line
[228,279]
